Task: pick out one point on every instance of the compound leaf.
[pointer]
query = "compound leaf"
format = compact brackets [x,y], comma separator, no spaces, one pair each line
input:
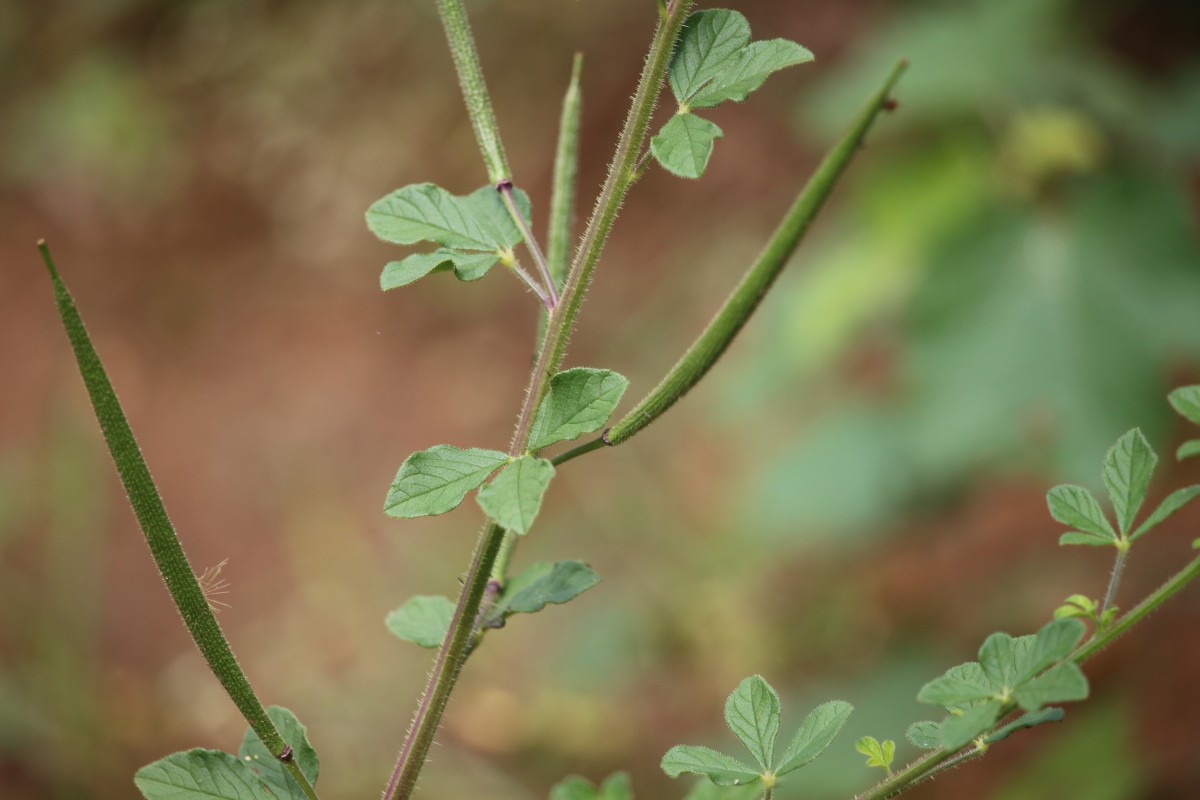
[1058,684]
[685,144]
[514,498]
[1127,470]
[423,620]
[436,480]
[1077,507]
[720,768]
[816,733]
[752,713]
[200,775]
[1175,501]
[269,769]
[578,401]
[1186,400]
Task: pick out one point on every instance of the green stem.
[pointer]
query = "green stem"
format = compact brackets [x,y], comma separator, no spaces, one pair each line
[550,293]
[566,171]
[532,284]
[1115,580]
[1104,637]
[474,88]
[576,452]
[754,285]
[156,526]
[452,654]
[608,204]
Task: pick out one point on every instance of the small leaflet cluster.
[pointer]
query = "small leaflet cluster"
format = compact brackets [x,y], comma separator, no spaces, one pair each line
[254,774]
[715,62]
[434,481]
[752,712]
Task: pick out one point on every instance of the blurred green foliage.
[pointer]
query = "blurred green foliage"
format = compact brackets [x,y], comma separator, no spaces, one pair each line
[1019,257]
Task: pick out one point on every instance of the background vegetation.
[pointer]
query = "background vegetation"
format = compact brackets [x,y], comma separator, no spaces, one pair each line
[1009,281]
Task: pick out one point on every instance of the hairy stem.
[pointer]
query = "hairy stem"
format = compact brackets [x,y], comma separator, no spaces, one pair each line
[452,654]
[1114,581]
[745,298]
[506,192]
[169,557]
[530,282]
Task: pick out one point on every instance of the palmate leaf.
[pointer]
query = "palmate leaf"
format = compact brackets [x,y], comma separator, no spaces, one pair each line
[514,498]
[1127,470]
[436,480]
[816,733]
[578,401]
[752,713]
[271,770]
[475,231]
[200,775]
[714,62]
[685,144]
[423,620]
[721,769]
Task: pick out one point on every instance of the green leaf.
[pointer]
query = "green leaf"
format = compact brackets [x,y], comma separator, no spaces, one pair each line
[755,63]
[1030,720]
[199,775]
[466,267]
[959,686]
[423,620]
[1089,539]
[1054,642]
[423,212]
[685,144]
[925,735]
[1186,400]
[541,584]
[578,401]
[615,787]
[710,42]
[1075,506]
[816,733]
[998,659]
[488,207]
[1175,501]
[720,768]
[956,731]
[1188,449]
[436,480]
[1127,470]
[514,498]
[1077,605]
[707,790]
[879,754]
[1058,684]
[270,770]
[752,713]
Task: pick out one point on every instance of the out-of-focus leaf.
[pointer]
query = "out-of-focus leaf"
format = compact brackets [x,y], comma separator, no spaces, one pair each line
[1127,470]
[541,584]
[423,620]
[957,731]
[1029,720]
[1059,684]
[270,770]
[925,735]
[1175,501]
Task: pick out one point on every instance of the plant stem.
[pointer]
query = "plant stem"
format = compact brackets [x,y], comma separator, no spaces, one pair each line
[529,281]
[745,298]
[1114,581]
[566,172]
[474,88]
[550,295]
[1102,638]
[901,780]
[165,547]
[608,204]
[451,656]
[576,452]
